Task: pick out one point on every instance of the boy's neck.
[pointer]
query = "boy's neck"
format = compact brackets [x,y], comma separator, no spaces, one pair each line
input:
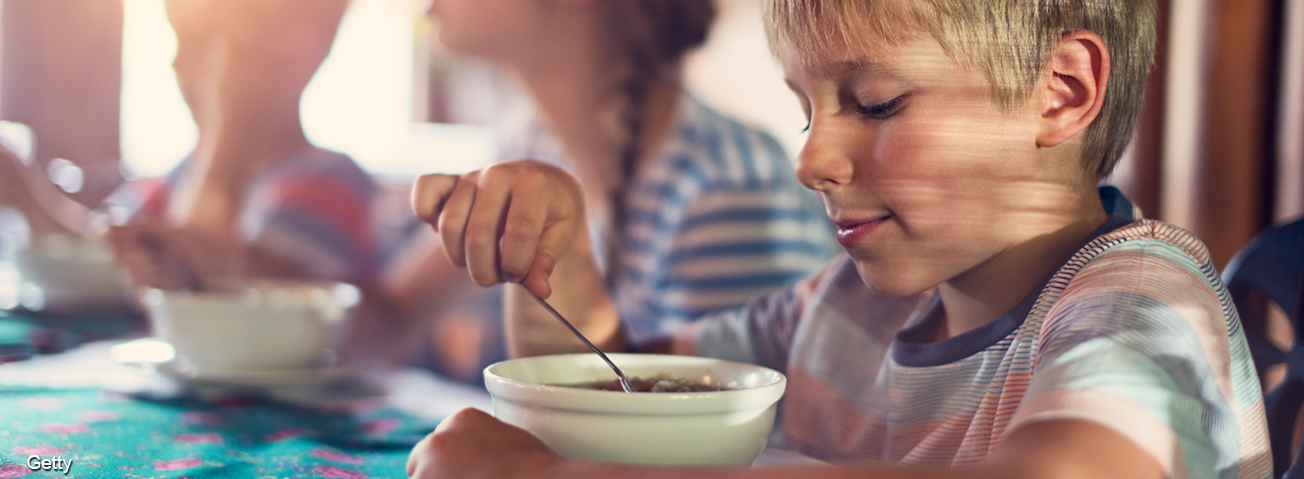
[996,286]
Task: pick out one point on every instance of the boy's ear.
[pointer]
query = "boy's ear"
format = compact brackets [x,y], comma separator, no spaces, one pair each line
[1072,87]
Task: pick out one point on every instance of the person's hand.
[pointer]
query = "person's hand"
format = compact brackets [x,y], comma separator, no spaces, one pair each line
[13,178]
[472,444]
[150,256]
[156,255]
[509,222]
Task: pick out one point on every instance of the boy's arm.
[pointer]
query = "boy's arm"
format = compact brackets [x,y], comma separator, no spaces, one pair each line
[471,444]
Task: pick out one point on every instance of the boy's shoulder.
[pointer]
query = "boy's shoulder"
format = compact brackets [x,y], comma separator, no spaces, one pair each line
[1141,316]
[1146,262]
[1146,256]
[1158,235]
[1150,288]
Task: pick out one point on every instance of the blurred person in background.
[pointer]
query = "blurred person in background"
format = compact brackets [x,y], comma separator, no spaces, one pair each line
[254,197]
[691,211]
[44,207]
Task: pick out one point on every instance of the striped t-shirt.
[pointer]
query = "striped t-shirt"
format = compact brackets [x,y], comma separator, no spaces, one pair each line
[715,219]
[1134,332]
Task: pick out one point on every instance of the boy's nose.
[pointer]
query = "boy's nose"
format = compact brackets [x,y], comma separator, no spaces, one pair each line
[822,164]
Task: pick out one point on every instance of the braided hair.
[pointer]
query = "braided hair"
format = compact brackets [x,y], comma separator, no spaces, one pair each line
[653,36]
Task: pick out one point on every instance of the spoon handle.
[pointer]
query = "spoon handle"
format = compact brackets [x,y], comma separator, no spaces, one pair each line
[624,381]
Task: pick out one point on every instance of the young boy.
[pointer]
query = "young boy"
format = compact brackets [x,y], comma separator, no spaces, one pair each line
[997,314]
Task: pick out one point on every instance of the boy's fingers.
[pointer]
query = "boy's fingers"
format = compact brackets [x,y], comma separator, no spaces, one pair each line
[429,193]
[453,217]
[522,231]
[553,243]
[537,282]
[463,418]
[483,228]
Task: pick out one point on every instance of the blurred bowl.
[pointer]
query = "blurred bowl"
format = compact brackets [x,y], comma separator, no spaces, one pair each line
[252,326]
[59,272]
[718,427]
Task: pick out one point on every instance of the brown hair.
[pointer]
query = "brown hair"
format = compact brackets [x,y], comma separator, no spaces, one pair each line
[653,36]
[1008,40]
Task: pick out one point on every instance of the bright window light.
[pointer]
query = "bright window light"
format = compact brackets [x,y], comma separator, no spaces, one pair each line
[157,130]
[359,103]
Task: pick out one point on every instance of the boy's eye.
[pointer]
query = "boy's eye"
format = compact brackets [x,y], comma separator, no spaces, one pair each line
[806,128]
[883,110]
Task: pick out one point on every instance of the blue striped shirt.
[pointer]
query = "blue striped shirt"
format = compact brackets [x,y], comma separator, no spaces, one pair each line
[715,219]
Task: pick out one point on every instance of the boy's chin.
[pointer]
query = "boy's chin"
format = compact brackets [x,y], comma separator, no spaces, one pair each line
[892,281]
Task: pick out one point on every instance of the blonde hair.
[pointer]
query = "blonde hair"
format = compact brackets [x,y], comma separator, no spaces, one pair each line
[1008,40]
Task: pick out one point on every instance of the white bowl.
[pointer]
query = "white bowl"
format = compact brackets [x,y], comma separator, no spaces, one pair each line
[719,427]
[252,326]
[60,272]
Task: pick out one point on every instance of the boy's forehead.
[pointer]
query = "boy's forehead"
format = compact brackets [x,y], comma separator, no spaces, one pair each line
[868,57]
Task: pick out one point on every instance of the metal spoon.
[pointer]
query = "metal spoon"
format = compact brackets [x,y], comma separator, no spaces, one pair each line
[624,381]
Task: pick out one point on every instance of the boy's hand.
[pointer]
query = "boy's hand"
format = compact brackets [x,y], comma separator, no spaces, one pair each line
[472,444]
[509,222]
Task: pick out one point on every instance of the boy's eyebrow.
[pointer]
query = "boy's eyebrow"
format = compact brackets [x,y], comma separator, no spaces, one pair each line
[871,67]
[845,68]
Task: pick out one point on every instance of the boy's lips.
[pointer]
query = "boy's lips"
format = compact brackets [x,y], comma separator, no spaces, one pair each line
[851,230]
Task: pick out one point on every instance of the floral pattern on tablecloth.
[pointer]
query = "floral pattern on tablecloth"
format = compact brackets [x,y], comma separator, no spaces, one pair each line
[109,435]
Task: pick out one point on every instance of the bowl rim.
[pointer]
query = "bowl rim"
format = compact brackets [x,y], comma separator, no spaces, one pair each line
[660,404]
[234,292]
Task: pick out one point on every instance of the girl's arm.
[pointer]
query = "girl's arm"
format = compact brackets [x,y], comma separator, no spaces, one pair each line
[580,294]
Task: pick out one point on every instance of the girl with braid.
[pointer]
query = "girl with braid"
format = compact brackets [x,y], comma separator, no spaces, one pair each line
[691,211]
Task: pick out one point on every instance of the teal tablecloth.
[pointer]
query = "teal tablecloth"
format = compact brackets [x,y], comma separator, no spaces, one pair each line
[111,435]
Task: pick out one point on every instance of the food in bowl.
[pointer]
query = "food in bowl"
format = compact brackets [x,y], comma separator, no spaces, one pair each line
[253,325]
[730,426]
[656,384]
